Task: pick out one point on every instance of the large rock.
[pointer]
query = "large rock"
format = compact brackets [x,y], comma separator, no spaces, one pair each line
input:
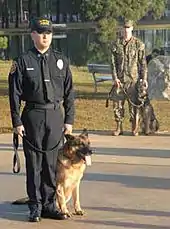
[159,78]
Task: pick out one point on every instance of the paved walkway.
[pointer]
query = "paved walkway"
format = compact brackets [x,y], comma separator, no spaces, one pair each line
[127,186]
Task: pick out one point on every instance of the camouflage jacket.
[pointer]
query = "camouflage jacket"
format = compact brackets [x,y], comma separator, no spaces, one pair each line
[128,61]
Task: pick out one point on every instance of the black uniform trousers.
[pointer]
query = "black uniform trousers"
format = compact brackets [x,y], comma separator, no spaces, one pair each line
[43,128]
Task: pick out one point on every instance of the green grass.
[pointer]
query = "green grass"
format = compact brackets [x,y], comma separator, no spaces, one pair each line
[91,112]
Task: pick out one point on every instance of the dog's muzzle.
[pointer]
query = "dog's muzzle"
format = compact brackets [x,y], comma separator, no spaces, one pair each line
[85,154]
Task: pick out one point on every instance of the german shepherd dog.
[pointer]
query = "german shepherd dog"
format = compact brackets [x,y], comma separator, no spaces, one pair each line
[71,164]
[148,123]
[145,117]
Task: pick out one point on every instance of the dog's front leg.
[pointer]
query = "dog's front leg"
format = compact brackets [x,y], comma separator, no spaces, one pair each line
[76,199]
[62,201]
[147,119]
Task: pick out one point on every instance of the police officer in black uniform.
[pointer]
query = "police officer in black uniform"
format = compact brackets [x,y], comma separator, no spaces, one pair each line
[42,78]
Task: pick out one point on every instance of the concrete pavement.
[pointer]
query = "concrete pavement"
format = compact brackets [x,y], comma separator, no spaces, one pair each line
[127,186]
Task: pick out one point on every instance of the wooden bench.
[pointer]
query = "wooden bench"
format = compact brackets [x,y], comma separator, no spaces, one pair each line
[97,69]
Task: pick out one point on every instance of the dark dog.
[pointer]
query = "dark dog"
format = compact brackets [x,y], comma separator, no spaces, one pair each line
[149,123]
[145,118]
[71,163]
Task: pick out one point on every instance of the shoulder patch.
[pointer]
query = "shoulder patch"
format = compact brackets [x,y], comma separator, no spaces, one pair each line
[13,67]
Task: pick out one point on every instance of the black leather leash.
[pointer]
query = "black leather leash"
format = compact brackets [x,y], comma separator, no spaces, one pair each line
[16,159]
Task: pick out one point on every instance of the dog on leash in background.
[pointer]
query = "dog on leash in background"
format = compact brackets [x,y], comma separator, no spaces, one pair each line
[73,157]
[148,121]
[145,118]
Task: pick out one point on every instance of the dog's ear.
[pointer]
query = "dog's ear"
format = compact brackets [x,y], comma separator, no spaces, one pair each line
[85,132]
[69,137]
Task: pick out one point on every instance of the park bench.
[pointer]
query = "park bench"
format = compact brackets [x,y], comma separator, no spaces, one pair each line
[97,70]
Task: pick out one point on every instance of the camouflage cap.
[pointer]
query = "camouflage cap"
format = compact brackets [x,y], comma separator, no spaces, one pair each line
[128,23]
[41,25]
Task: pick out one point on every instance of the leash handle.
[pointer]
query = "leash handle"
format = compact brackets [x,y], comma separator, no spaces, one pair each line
[109,96]
[16,159]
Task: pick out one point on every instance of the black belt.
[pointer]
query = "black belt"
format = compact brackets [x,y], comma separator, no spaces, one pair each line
[43,106]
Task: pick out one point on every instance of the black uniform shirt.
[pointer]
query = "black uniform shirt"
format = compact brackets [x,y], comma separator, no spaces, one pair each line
[26,83]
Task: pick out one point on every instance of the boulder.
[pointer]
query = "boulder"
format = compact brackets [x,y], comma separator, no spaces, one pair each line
[159,78]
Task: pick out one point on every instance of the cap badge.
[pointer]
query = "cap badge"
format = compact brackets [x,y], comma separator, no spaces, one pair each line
[44,22]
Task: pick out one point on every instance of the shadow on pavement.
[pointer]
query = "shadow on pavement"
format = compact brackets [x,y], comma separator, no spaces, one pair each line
[123,224]
[130,180]
[12,174]
[13,212]
[125,133]
[132,211]
[127,180]
[159,153]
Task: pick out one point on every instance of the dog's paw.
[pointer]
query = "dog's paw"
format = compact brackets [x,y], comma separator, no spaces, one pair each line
[68,214]
[79,212]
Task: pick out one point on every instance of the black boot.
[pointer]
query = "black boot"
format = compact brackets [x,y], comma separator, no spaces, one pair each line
[34,216]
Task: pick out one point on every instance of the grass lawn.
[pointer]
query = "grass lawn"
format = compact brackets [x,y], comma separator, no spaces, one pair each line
[91,112]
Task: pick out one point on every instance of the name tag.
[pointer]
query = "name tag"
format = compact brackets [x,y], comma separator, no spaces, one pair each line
[30,69]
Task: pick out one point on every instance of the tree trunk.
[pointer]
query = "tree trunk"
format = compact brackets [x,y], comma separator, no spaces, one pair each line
[38,8]
[6,15]
[30,11]
[21,10]
[17,14]
[3,14]
[58,11]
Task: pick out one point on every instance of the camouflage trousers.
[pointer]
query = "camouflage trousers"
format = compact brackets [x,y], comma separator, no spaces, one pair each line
[131,96]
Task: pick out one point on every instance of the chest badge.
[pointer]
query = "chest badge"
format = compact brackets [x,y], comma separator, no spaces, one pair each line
[60,64]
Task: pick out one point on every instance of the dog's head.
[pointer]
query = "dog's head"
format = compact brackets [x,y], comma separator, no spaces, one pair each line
[78,146]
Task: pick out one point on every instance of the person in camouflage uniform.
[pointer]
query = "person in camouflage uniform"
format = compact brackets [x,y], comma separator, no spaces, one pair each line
[128,64]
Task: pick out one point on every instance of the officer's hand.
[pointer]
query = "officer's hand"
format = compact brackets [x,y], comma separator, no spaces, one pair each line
[68,129]
[19,130]
[117,82]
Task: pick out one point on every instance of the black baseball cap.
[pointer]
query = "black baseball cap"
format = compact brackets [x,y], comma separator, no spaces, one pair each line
[41,25]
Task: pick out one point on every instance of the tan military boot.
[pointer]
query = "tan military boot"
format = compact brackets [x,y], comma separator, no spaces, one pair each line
[119,129]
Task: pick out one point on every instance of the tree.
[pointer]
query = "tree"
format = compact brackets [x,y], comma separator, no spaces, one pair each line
[17,13]
[109,13]
[38,8]
[5,13]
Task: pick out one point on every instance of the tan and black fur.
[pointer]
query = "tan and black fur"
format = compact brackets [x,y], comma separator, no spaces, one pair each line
[71,164]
